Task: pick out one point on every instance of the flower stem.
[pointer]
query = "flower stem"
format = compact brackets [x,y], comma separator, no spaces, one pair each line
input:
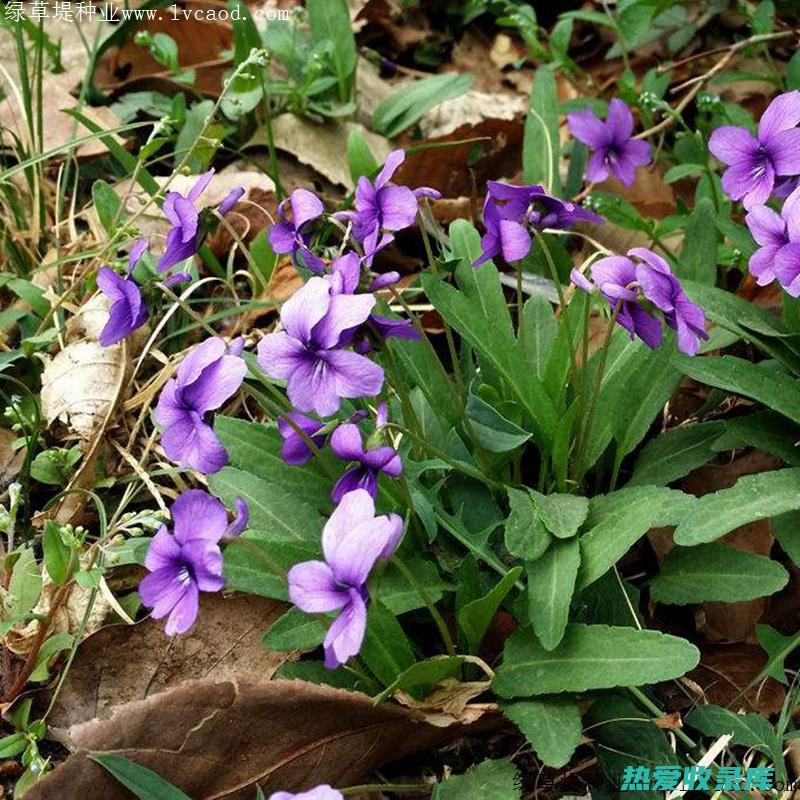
[448,333]
[430,605]
[598,381]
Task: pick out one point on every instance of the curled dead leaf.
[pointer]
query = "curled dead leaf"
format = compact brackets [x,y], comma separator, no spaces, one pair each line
[80,385]
[225,642]
[67,617]
[449,703]
[219,739]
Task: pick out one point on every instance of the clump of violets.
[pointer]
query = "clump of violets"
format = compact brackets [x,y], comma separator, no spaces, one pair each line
[293,234]
[614,151]
[321,792]
[778,235]
[353,540]
[188,560]
[368,461]
[127,311]
[205,379]
[510,212]
[754,162]
[311,353]
[637,285]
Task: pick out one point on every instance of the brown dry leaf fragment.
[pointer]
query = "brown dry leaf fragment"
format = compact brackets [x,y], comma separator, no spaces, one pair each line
[58,128]
[469,110]
[225,642]
[218,739]
[449,703]
[669,722]
[68,616]
[10,459]
[725,670]
[202,45]
[322,147]
[462,170]
[80,385]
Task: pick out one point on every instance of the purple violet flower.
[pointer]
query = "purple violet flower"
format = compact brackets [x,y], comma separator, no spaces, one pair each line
[292,235]
[754,162]
[382,208]
[185,562]
[352,541]
[509,212]
[321,792]
[344,278]
[779,237]
[128,310]
[626,281]
[348,444]
[295,450]
[309,354]
[184,218]
[665,292]
[614,151]
[205,379]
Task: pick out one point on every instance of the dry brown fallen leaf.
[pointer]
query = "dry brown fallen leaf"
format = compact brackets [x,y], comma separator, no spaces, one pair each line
[69,617]
[218,739]
[321,147]
[225,642]
[725,670]
[449,703]
[58,128]
[80,385]
[202,45]
[10,459]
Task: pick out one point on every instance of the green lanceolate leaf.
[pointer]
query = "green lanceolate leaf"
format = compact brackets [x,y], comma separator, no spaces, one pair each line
[562,514]
[591,657]
[525,534]
[699,251]
[676,453]
[489,780]
[143,782]
[477,310]
[538,333]
[329,20]
[751,498]
[475,617]
[386,649]
[618,520]
[491,429]
[541,145]
[749,730]
[714,572]
[360,160]
[777,391]
[26,583]
[551,582]
[425,673]
[552,726]
[401,109]
[294,630]
[58,557]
